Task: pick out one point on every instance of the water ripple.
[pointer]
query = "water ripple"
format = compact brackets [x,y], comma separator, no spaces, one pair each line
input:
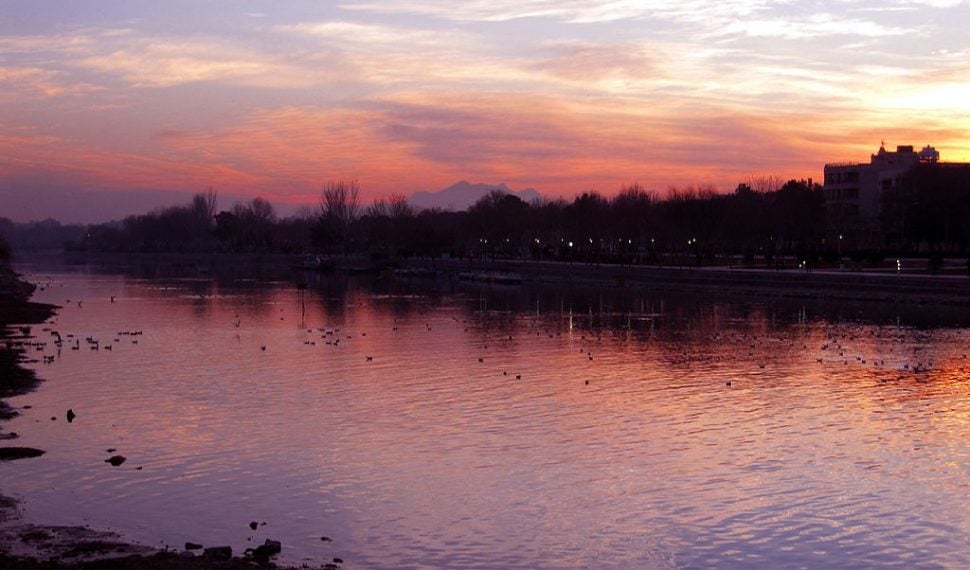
[423,432]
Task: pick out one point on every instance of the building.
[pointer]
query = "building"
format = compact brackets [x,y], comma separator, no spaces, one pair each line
[858,196]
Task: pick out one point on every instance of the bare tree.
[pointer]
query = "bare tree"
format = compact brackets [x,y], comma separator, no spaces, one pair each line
[204,206]
[765,184]
[339,209]
[398,207]
[201,214]
[340,201]
[378,209]
[306,213]
[251,224]
[394,206]
[262,211]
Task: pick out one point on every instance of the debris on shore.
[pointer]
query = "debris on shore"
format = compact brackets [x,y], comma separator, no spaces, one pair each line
[116,460]
[12,453]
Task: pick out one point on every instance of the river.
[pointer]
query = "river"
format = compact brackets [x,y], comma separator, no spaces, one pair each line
[435,424]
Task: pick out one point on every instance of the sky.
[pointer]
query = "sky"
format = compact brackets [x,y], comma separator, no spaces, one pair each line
[118,106]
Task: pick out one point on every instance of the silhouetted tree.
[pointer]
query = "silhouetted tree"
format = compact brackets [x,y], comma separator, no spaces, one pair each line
[4,252]
[228,230]
[387,225]
[585,223]
[256,218]
[798,217]
[546,227]
[339,209]
[632,210]
[498,220]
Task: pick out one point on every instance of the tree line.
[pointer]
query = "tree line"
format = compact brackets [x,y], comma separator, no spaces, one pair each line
[763,219]
[632,226]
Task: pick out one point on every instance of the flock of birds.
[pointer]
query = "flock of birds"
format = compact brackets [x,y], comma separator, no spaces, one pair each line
[70,340]
[763,349]
[681,346]
[836,347]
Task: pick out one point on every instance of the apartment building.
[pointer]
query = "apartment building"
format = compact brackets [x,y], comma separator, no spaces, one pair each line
[856,194]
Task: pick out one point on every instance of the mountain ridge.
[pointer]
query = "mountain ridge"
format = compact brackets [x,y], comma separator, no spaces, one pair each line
[463,194]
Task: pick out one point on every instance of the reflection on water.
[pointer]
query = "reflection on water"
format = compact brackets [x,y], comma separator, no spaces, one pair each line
[431,424]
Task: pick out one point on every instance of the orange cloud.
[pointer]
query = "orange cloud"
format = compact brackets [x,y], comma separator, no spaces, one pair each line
[419,143]
[18,84]
[665,94]
[416,141]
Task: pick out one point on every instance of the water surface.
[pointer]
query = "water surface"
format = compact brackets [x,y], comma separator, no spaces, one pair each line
[424,424]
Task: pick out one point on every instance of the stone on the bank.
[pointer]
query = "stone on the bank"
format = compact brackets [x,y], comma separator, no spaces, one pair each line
[269,548]
[218,552]
[11,453]
[265,550]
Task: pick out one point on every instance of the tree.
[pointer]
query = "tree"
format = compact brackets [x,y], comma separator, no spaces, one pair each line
[339,209]
[263,213]
[398,207]
[249,225]
[203,206]
[227,229]
[499,218]
[586,222]
[631,210]
[202,211]
[4,252]
[340,201]
[765,184]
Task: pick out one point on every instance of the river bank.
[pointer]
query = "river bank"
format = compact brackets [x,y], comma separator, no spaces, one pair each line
[831,285]
[911,285]
[17,314]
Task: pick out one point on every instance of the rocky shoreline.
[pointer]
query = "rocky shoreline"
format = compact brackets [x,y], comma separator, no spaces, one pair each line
[30,546]
[16,314]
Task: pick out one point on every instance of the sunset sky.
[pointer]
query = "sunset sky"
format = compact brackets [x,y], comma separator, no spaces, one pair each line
[111,107]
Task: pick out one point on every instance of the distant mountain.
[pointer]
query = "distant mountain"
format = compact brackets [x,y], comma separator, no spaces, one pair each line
[462,195]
